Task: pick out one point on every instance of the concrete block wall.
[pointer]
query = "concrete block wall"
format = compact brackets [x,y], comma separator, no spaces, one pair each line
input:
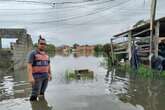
[21,50]
[5,58]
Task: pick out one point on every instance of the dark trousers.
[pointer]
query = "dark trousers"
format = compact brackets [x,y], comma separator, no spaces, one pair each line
[39,87]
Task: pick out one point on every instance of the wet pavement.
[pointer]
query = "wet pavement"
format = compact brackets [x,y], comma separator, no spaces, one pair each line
[108,90]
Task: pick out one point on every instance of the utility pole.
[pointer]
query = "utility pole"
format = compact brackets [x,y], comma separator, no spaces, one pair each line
[0,43]
[152,23]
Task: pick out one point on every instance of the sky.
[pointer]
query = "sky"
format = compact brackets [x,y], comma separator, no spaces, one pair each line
[75,21]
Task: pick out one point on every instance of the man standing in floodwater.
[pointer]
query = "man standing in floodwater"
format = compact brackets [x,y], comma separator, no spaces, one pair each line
[39,71]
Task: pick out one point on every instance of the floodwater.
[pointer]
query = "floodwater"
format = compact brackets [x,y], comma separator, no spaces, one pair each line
[107,90]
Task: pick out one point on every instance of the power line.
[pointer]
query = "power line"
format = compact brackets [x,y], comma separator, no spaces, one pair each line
[96,11]
[84,5]
[89,14]
[59,3]
[124,11]
[51,11]
[68,7]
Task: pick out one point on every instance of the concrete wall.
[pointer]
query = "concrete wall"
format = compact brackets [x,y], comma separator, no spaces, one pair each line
[5,58]
[19,49]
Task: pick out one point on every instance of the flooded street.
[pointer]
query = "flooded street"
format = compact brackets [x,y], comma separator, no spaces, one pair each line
[70,22]
[105,91]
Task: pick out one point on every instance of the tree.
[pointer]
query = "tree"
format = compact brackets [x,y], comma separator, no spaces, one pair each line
[98,48]
[107,49]
[49,47]
[75,45]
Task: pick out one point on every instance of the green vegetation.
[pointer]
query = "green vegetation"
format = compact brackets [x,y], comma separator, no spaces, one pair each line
[70,75]
[143,71]
[75,45]
[50,48]
[105,49]
[98,48]
[73,75]
[107,63]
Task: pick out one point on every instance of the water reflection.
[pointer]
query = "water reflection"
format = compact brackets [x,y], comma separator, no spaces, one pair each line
[8,85]
[41,104]
[14,84]
[64,54]
[115,84]
[51,54]
[147,93]
[86,53]
[75,54]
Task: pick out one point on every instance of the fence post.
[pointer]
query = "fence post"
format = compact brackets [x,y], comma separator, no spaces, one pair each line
[112,54]
[129,45]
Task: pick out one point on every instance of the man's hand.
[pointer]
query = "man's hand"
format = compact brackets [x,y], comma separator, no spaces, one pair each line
[31,80]
[49,73]
[49,77]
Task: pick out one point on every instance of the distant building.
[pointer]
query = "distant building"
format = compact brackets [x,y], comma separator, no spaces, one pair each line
[63,48]
[84,50]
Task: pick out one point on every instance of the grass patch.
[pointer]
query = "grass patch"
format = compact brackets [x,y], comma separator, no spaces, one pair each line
[72,75]
[143,71]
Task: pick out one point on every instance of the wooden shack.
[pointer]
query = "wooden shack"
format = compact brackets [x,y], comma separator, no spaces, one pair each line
[139,36]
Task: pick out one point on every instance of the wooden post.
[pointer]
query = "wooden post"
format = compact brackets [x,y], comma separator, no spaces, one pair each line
[129,45]
[152,19]
[112,52]
[156,38]
[0,43]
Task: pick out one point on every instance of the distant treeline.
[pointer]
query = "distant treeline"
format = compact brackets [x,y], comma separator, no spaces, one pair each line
[99,48]
[49,47]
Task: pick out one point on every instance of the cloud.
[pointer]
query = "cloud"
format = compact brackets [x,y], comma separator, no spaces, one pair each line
[82,23]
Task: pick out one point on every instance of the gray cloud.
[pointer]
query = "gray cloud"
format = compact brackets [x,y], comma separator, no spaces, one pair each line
[83,23]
